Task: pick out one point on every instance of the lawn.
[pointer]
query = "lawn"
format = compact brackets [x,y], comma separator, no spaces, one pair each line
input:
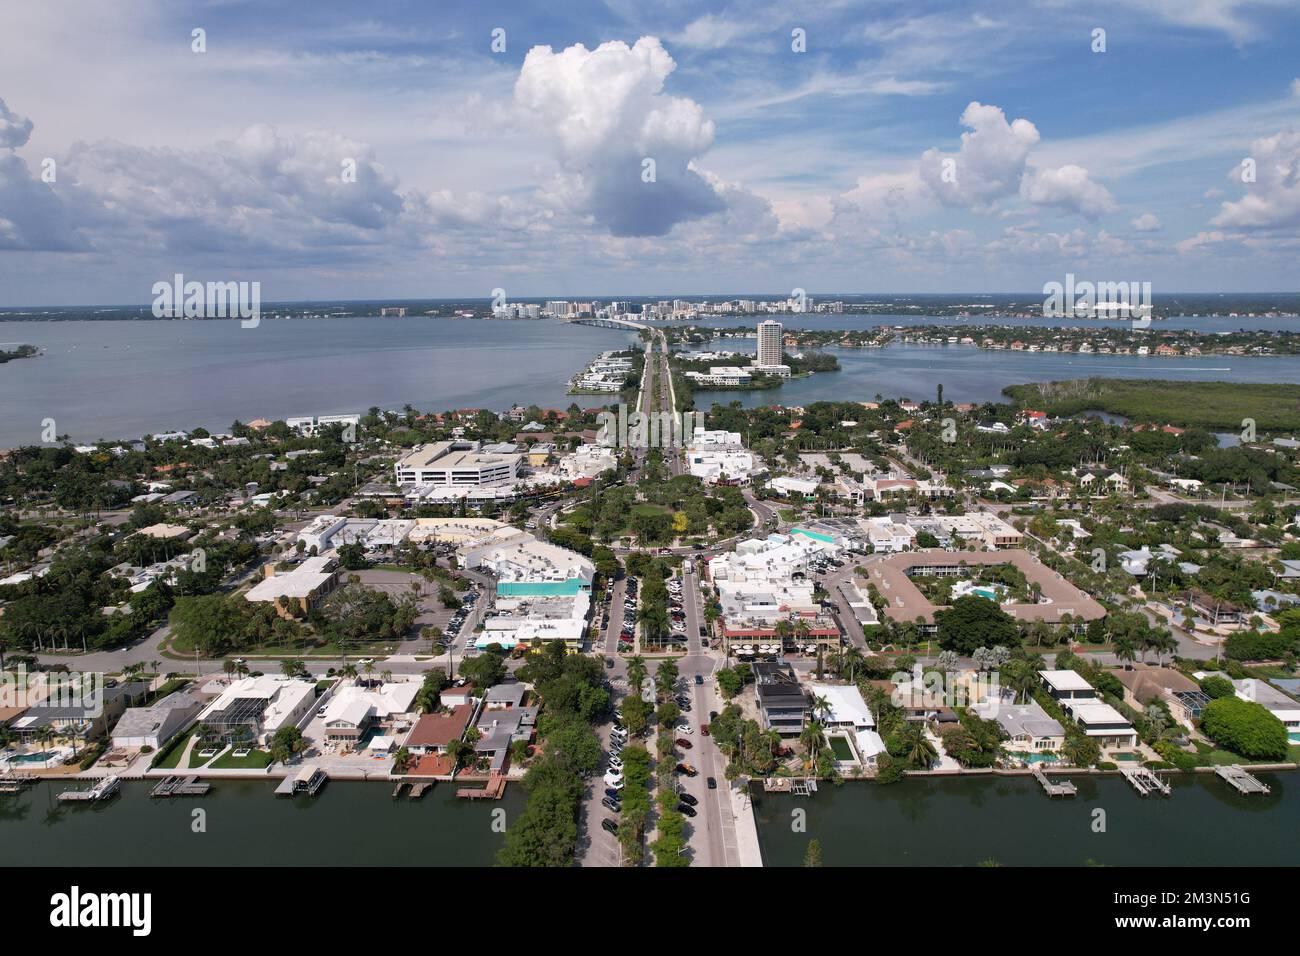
[1215,757]
[173,757]
[256,760]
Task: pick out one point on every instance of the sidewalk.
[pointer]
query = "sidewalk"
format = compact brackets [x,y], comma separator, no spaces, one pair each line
[746,828]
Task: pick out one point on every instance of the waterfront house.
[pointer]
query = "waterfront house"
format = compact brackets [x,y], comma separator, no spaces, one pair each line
[1030,729]
[1066,685]
[434,733]
[355,710]
[158,723]
[783,704]
[1145,684]
[260,706]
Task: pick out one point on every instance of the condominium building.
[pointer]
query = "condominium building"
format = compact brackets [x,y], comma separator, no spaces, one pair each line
[769,343]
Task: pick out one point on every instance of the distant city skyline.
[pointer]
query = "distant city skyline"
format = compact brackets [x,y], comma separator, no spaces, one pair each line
[608,150]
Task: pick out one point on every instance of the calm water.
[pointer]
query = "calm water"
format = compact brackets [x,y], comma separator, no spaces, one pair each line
[124,379]
[822,321]
[962,821]
[119,379]
[969,374]
[348,823]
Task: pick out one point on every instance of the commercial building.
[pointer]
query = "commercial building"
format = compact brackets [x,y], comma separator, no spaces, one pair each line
[456,463]
[1059,600]
[296,592]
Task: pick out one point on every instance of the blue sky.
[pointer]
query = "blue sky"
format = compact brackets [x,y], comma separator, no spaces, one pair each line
[910,147]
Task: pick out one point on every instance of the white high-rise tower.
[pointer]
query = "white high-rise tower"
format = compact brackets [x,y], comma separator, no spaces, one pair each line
[769,343]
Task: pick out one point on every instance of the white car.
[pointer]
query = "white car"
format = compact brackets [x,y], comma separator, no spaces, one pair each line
[686,729]
[614,780]
[616,762]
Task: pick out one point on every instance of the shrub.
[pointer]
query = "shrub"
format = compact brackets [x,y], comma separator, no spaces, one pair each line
[1244,727]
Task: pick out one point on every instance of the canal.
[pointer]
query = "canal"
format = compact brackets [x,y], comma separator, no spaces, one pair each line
[966,821]
[348,823]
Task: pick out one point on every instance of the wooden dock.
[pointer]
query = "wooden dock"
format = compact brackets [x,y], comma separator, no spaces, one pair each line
[397,790]
[1060,788]
[419,789]
[102,790]
[175,786]
[1145,781]
[1241,780]
[15,782]
[495,789]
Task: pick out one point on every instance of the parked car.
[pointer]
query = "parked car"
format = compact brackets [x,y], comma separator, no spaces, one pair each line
[614,780]
[687,798]
[616,762]
[608,825]
[609,803]
[686,769]
[611,793]
[685,809]
[685,729]
[683,743]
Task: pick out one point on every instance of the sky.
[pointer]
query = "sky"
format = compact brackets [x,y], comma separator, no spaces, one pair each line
[412,149]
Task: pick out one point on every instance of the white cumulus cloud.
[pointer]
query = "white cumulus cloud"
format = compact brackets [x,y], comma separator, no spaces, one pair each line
[1273,200]
[1069,187]
[1147,222]
[603,113]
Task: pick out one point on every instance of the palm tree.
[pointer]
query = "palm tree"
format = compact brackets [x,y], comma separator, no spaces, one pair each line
[45,736]
[821,708]
[1125,650]
[922,754]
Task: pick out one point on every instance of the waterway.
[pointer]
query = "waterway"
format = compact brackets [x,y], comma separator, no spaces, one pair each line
[122,379]
[347,823]
[971,374]
[966,821]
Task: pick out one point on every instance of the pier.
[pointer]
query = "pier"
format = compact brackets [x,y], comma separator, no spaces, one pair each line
[419,789]
[1243,782]
[174,786]
[1060,788]
[102,790]
[1145,781]
[495,789]
[397,790]
[15,782]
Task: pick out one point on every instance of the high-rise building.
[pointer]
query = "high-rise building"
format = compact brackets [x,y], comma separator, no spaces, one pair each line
[769,343]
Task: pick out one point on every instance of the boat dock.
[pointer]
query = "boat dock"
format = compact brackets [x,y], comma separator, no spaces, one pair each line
[1240,779]
[1060,788]
[495,789]
[419,789]
[397,790]
[1145,781]
[102,790]
[174,786]
[308,780]
[15,782]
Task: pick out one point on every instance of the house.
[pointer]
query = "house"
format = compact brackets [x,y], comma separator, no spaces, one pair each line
[842,708]
[260,706]
[1067,685]
[505,695]
[1030,729]
[1271,699]
[499,729]
[153,726]
[1214,611]
[1145,684]
[77,710]
[456,696]
[783,703]
[1103,723]
[356,710]
[434,733]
